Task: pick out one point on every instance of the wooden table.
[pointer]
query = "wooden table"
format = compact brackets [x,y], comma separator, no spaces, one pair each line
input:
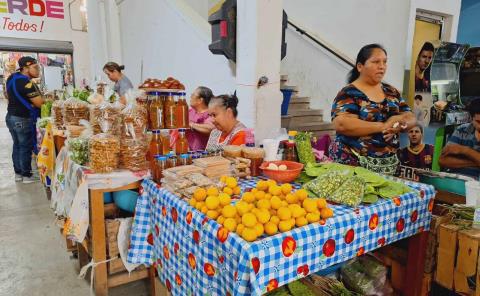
[102,281]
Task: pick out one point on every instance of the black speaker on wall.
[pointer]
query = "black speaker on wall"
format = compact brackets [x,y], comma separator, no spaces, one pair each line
[224,31]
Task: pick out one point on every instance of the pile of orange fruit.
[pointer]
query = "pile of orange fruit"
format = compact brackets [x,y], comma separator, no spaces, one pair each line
[267,209]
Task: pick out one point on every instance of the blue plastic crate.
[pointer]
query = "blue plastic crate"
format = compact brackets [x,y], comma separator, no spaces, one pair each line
[287,95]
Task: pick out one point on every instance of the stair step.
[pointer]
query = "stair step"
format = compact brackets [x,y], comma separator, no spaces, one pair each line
[295,99]
[315,126]
[310,112]
[299,121]
[298,107]
[291,87]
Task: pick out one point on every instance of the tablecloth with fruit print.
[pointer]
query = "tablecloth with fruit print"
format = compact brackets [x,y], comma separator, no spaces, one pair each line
[196,256]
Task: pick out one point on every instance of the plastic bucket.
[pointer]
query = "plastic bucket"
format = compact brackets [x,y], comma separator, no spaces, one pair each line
[287,95]
[472,193]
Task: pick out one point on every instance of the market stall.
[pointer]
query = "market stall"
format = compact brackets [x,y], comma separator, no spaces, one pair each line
[195,254]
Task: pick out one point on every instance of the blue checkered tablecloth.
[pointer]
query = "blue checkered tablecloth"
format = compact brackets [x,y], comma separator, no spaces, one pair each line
[195,256]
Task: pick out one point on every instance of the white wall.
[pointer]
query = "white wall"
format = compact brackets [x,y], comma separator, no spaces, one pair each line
[348,25]
[171,40]
[54,29]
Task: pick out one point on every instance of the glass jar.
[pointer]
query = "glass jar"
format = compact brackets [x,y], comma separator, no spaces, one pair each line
[181,111]
[155,111]
[172,161]
[155,147]
[199,153]
[181,146]
[205,154]
[165,136]
[169,109]
[190,157]
[161,166]
[289,153]
[154,169]
[183,159]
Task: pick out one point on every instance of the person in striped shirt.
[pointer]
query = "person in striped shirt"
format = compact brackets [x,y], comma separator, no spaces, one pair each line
[462,152]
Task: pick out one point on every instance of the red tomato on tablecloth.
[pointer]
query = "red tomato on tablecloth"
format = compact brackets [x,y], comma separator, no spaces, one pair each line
[178,279]
[397,201]
[175,248]
[360,251]
[164,211]
[222,234]
[303,269]
[189,217]
[430,205]
[329,248]
[414,216]
[272,285]
[166,252]
[150,239]
[288,246]
[349,236]
[204,220]
[256,264]
[196,237]
[168,285]
[373,222]
[400,226]
[422,193]
[192,261]
[157,229]
[174,213]
[209,269]
[381,242]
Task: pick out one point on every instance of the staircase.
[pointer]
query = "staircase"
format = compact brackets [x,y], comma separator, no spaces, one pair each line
[303,118]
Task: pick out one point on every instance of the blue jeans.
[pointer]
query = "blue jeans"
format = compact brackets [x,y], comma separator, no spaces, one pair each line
[22,135]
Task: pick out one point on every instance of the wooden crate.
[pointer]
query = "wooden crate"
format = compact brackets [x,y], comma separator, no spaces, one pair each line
[111,228]
[458,258]
[432,242]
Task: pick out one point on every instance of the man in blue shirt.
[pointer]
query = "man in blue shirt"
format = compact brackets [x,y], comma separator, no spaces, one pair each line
[462,152]
[24,102]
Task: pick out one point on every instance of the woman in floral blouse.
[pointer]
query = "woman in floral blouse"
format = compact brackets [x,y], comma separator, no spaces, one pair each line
[368,114]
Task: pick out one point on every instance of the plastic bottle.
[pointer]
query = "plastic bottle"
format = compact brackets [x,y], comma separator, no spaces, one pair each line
[183,159]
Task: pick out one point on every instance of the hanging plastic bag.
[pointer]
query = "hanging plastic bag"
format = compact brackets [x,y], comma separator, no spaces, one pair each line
[104,151]
[78,147]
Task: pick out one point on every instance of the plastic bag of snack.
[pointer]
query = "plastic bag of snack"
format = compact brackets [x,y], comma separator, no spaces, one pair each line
[106,111]
[134,117]
[104,151]
[75,110]
[57,114]
[133,155]
[78,147]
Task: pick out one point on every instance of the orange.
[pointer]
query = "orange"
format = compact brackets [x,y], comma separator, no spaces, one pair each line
[302,194]
[321,203]
[212,191]
[326,213]
[200,194]
[228,190]
[271,228]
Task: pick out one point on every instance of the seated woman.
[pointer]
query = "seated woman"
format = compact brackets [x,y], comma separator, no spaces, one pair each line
[200,121]
[228,130]
[368,114]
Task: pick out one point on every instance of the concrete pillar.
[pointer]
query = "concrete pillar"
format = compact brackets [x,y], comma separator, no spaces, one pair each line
[259,35]
[112,20]
[96,38]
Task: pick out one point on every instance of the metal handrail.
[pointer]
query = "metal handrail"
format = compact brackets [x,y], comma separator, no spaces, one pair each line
[322,44]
